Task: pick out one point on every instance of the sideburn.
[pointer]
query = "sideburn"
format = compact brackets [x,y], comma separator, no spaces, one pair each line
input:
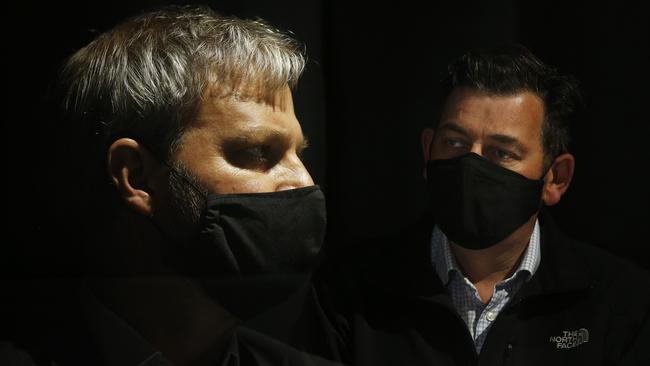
[188,197]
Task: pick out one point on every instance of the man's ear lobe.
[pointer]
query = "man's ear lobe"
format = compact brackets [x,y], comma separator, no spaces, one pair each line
[130,169]
[558,179]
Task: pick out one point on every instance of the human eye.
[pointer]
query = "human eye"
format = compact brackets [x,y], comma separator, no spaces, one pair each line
[255,153]
[453,143]
[253,157]
[504,155]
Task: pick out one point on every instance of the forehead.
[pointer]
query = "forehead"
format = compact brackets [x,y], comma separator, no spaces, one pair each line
[520,115]
[232,115]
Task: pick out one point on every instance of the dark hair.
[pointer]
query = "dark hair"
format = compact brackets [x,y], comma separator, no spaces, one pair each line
[507,70]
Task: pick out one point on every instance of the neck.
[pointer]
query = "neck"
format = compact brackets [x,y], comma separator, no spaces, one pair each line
[486,267]
[170,311]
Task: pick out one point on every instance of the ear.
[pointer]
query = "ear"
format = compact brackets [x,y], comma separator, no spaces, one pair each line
[132,169]
[426,139]
[558,179]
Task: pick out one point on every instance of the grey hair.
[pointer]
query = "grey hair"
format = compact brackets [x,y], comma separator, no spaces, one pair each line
[146,77]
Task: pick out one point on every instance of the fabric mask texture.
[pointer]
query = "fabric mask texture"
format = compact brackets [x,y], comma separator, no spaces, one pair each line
[477,203]
[255,249]
[263,233]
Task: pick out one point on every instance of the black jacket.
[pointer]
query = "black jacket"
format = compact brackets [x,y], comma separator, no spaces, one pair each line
[60,324]
[383,304]
[582,307]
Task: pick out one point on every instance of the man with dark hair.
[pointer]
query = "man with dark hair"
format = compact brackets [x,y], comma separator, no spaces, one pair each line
[498,153]
[202,224]
[487,278]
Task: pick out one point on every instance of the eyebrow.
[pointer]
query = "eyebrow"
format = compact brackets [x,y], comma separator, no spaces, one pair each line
[509,141]
[254,135]
[262,134]
[453,126]
[504,139]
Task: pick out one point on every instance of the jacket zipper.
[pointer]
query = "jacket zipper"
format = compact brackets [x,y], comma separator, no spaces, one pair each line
[507,355]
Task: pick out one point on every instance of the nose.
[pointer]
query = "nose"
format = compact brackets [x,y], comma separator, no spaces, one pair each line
[294,175]
[477,149]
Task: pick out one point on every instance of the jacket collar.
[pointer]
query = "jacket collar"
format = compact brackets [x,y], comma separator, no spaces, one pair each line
[562,269]
[404,267]
[119,343]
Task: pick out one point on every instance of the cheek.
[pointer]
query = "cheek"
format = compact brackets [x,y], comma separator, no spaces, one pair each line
[532,167]
[441,151]
[213,171]
[223,178]
[436,149]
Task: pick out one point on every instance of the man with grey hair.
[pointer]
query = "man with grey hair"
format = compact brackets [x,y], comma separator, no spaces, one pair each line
[203,223]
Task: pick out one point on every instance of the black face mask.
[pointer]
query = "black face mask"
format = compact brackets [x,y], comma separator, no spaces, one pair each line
[255,249]
[262,233]
[477,203]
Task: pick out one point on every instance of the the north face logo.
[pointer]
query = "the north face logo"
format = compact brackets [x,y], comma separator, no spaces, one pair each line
[570,338]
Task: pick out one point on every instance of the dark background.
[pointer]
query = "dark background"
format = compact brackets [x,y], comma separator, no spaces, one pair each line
[369,89]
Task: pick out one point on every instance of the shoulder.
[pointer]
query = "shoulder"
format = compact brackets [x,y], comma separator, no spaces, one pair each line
[10,354]
[608,267]
[357,271]
[381,258]
[614,280]
[617,279]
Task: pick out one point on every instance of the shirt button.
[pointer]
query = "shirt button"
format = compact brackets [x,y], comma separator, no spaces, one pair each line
[490,316]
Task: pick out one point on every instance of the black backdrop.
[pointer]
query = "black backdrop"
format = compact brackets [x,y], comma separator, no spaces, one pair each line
[369,89]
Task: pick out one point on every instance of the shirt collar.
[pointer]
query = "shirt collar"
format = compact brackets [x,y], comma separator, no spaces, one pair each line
[445,263]
[443,260]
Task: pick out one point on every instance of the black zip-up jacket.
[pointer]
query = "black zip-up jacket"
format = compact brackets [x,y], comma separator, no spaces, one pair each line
[383,304]
[581,307]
